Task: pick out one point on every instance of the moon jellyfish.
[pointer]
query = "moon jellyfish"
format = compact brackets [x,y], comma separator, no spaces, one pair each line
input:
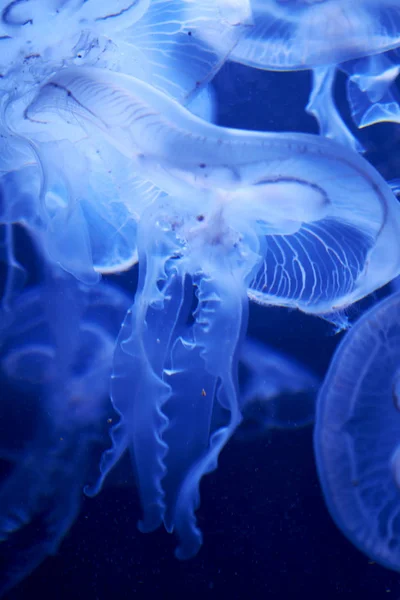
[371,89]
[85,222]
[56,355]
[303,34]
[75,196]
[277,392]
[52,219]
[321,36]
[288,219]
[318,235]
[179,45]
[158,41]
[36,35]
[356,435]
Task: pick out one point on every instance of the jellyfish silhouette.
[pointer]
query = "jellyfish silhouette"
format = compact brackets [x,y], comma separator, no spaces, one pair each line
[55,364]
[324,36]
[371,88]
[276,391]
[356,436]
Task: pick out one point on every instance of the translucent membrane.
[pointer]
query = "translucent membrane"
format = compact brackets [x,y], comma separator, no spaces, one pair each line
[357,434]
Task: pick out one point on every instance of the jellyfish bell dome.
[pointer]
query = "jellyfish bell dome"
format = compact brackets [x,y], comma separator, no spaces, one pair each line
[330,231]
[357,434]
[302,34]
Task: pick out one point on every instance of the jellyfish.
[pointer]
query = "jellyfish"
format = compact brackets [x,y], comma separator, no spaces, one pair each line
[356,441]
[158,41]
[56,349]
[85,223]
[371,90]
[48,214]
[276,391]
[323,36]
[287,219]
[315,228]
[75,198]
[179,45]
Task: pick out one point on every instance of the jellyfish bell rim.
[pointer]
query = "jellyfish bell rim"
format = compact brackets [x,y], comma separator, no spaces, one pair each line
[280,14]
[329,435]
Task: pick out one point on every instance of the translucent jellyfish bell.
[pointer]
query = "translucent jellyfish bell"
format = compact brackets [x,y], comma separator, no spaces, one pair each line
[371,89]
[277,392]
[289,219]
[75,198]
[159,41]
[115,16]
[319,35]
[56,358]
[302,34]
[53,218]
[357,434]
[89,200]
[179,45]
[36,26]
[326,219]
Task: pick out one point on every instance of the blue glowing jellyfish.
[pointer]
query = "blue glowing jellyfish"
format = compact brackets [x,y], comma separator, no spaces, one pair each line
[77,197]
[288,219]
[356,435]
[321,36]
[314,225]
[371,89]
[55,363]
[277,392]
[161,41]
[110,159]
